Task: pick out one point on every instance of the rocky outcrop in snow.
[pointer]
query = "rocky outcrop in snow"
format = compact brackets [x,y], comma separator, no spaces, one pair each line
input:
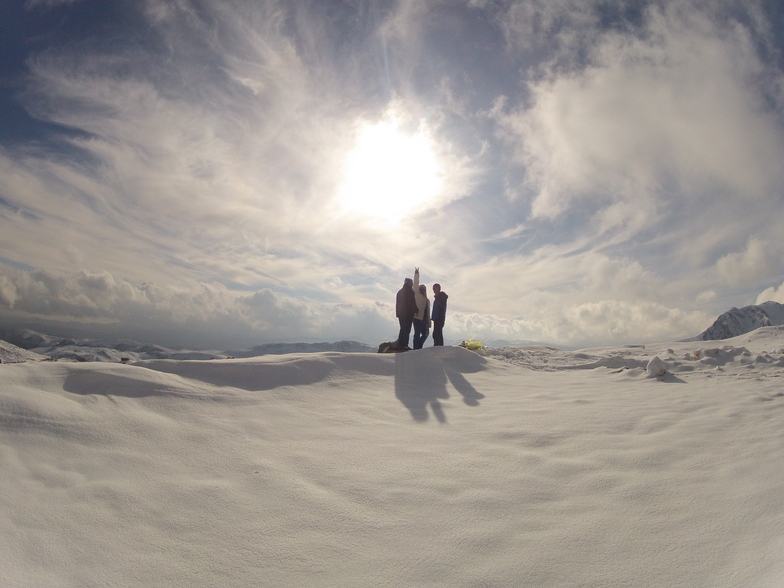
[738,321]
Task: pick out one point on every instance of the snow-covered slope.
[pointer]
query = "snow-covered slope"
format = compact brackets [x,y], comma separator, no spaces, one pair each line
[12,354]
[738,321]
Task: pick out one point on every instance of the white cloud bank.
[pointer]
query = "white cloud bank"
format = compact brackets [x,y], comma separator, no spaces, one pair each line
[772,294]
[198,313]
[757,262]
[209,314]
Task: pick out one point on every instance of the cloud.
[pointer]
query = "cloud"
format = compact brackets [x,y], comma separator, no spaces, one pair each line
[576,324]
[771,294]
[562,26]
[8,292]
[222,160]
[759,260]
[31,4]
[184,315]
[565,298]
[208,314]
[502,285]
[226,170]
[675,109]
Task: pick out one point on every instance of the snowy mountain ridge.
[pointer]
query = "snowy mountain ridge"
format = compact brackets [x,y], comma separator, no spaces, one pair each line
[10,353]
[43,346]
[738,321]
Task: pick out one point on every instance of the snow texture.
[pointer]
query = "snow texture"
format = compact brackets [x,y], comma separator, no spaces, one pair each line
[443,467]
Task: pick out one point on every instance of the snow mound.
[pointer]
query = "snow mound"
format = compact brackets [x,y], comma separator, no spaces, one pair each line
[302,369]
[656,368]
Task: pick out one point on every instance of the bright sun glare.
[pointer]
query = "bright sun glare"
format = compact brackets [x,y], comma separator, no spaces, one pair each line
[389,174]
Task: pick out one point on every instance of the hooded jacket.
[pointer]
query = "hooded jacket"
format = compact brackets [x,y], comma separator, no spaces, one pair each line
[439,307]
[405,303]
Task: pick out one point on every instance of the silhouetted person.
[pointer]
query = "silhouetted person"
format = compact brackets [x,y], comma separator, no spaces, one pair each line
[422,317]
[439,314]
[405,309]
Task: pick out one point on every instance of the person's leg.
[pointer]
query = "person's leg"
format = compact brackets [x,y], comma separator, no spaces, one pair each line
[418,340]
[405,332]
[438,335]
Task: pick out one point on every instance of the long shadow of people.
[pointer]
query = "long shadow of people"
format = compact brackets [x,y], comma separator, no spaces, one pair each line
[470,395]
[421,379]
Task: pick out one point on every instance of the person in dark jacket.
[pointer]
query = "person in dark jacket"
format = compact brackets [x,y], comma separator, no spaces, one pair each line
[405,309]
[438,314]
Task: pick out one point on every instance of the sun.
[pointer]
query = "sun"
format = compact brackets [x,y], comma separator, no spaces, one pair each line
[389,174]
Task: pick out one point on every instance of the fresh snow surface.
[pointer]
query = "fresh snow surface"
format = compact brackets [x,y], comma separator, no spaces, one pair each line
[512,467]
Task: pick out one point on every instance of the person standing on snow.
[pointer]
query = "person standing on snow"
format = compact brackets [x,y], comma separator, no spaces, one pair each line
[422,317]
[439,314]
[405,309]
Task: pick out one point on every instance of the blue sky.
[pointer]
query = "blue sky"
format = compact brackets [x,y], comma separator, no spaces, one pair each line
[573,172]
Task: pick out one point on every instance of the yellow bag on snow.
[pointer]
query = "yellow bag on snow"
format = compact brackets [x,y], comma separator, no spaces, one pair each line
[472,344]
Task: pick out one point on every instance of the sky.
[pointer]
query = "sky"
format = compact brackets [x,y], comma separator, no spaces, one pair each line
[220,173]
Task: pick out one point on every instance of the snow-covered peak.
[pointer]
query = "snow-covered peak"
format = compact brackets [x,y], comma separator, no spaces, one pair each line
[775,312]
[738,321]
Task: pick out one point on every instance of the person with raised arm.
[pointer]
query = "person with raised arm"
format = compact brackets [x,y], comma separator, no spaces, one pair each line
[422,317]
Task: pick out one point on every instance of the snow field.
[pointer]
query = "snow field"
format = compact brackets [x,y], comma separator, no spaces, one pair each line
[441,467]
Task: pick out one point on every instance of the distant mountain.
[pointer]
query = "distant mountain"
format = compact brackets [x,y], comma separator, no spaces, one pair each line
[282,348]
[10,353]
[738,321]
[67,349]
